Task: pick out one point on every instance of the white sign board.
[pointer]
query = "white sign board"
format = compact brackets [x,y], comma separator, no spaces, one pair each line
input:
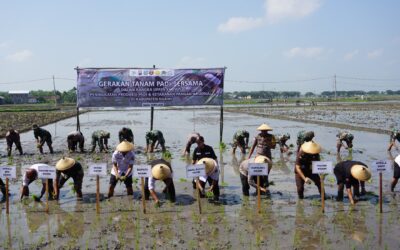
[46,172]
[322,167]
[193,171]
[99,169]
[142,170]
[8,172]
[256,169]
[381,165]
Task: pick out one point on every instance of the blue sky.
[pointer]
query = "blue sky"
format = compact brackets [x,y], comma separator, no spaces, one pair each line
[257,40]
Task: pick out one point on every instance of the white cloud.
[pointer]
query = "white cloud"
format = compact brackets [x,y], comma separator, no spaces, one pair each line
[239,24]
[304,52]
[375,53]
[20,56]
[187,62]
[85,62]
[3,44]
[349,56]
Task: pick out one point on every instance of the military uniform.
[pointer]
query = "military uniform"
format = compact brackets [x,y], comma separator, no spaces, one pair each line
[303,137]
[43,136]
[241,139]
[126,134]
[100,137]
[12,137]
[73,139]
[264,144]
[282,139]
[344,136]
[154,136]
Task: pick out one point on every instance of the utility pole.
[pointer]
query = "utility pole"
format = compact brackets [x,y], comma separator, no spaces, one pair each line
[334,86]
[54,87]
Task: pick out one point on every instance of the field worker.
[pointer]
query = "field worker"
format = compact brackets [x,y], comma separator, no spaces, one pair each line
[12,137]
[203,151]
[282,139]
[248,180]
[73,139]
[396,173]
[264,142]
[3,190]
[68,168]
[30,175]
[160,170]
[153,137]
[303,170]
[192,138]
[302,137]
[349,173]
[344,136]
[122,160]
[394,135]
[100,137]
[241,140]
[42,136]
[212,177]
[126,134]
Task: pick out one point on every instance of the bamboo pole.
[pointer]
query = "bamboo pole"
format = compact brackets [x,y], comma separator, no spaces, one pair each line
[97,194]
[258,195]
[143,196]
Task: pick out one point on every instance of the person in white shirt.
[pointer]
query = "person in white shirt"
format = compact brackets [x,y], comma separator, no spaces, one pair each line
[212,177]
[30,175]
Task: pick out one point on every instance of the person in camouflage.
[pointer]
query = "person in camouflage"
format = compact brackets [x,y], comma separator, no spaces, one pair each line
[241,140]
[100,137]
[303,137]
[344,136]
[153,137]
[126,134]
[12,137]
[73,139]
[42,136]
[394,135]
[282,139]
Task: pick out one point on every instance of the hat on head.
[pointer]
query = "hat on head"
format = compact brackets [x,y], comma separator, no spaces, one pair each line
[262,159]
[311,147]
[65,163]
[161,171]
[264,127]
[125,146]
[210,163]
[360,172]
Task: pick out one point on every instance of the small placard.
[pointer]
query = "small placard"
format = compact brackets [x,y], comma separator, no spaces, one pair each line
[381,165]
[193,171]
[322,167]
[256,169]
[8,172]
[142,170]
[46,172]
[99,169]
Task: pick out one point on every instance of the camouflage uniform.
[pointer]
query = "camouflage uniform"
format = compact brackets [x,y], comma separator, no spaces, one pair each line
[126,134]
[303,137]
[74,138]
[42,136]
[241,139]
[282,139]
[100,137]
[346,137]
[12,136]
[155,136]
[265,144]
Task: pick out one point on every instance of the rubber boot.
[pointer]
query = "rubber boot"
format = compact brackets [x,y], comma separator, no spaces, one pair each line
[110,192]
[129,190]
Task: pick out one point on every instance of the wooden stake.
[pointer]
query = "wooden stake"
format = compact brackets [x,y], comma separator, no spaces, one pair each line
[322,177]
[97,194]
[380,192]
[7,201]
[221,123]
[258,195]
[143,198]
[198,193]
[47,195]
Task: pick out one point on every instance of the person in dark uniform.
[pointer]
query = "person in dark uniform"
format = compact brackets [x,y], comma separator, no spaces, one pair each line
[153,137]
[396,173]
[203,151]
[263,142]
[12,137]
[31,174]
[394,135]
[241,140]
[248,180]
[126,134]
[100,137]
[344,136]
[160,170]
[192,138]
[42,136]
[74,139]
[68,168]
[282,139]
[3,190]
[309,152]
[302,137]
[349,174]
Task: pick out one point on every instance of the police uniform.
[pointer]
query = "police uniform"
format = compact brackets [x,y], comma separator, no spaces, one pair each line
[12,137]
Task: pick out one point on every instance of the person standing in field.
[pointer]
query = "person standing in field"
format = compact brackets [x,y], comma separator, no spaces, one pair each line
[12,137]
[241,140]
[42,136]
[302,137]
[153,139]
[100,137]
[126,134]
[347,137]
[192,138]
[263,142]
[74,139]
[394,136]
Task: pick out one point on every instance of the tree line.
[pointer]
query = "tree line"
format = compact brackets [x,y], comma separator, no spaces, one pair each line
[44,96]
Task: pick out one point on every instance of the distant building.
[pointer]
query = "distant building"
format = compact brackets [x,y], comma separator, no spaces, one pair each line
[19,96]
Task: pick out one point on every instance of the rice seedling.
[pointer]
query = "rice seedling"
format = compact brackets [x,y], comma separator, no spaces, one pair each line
[222,146]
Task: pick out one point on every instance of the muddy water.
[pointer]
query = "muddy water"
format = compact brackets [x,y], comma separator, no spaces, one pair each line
[285,222]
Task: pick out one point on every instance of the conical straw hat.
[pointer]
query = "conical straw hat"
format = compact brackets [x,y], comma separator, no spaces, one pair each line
[65,163]
[262,159]
[360,172]
[311,147]
[209,162]
[161,171]
[125,146]
[264,127]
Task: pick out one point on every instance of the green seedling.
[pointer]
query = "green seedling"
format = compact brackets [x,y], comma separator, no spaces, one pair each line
[35,198]
[209,194]
[331,179]
[182,180]
[272,183]
[224,184]
[291,145]
[71,184]
[167,155]
[78,158]
[135,180]
[222,146]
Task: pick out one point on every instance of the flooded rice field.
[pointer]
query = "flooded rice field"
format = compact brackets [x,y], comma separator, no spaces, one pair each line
[284,223]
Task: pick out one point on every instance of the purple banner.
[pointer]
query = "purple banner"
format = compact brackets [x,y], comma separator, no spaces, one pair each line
[134,87]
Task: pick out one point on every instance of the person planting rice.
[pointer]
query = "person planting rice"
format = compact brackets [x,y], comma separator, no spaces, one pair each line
[302,137]
[12,137]
[264,142]
[192,138]
[394,135]
[73,139]
[344,136]
[68,168]
[126,134]
[396,173]
[160,170]
[153,137]
[241,140]
[3,190]
[282,139]
[122,160]
[42,136]
[248,180]
[30,175]
[349,174]
[100,137]
[309,152]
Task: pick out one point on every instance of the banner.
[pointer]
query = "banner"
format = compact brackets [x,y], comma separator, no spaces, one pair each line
[134,87]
